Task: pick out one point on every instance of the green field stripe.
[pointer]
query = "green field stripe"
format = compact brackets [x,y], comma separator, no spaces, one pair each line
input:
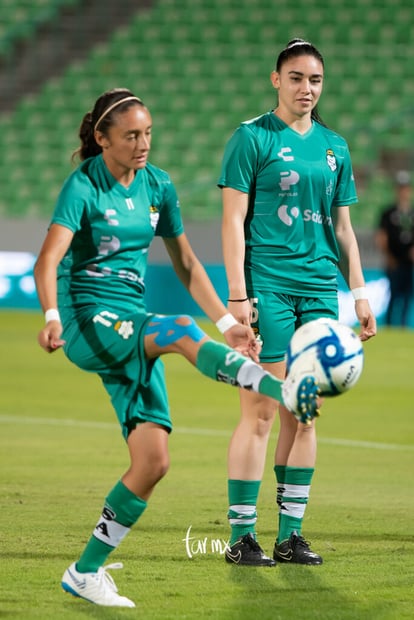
[332,441]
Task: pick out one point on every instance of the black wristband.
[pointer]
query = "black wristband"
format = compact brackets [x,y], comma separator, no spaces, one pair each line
[235,300]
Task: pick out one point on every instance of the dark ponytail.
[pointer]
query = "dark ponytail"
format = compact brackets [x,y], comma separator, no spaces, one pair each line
[89,146]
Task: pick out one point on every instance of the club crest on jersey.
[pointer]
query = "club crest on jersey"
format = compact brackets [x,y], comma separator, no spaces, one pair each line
[124,329]
[331,159]
[154,216]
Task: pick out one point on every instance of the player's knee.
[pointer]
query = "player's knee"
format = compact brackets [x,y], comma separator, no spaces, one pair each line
[264,419]
[169,330]
[288,421]
[306,429]
[186,322]
[159,467]
[264,424]
[261,418]
[188,327]
[162,467]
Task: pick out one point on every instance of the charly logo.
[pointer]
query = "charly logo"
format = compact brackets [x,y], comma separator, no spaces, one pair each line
[202,546]
[287,215]
[109,217]
[284,153]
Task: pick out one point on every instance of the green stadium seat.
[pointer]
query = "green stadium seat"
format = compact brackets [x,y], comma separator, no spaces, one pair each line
[202,72]
[20,19]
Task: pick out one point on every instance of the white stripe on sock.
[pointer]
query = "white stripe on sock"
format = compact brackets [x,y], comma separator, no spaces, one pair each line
[293,509]
[296,490]
[110,532]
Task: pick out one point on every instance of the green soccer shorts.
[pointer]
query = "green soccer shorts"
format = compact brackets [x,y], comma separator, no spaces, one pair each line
[111,343]
[276,316]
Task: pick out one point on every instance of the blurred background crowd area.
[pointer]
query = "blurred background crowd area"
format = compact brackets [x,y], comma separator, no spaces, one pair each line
[201,66]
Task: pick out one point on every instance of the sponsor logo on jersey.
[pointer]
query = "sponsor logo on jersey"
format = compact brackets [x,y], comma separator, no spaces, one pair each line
[287,215]
[283,153]
[108,244]
[287,179]
[329,188]
[317,218]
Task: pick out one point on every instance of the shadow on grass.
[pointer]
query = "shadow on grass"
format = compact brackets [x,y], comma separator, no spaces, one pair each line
[293,592]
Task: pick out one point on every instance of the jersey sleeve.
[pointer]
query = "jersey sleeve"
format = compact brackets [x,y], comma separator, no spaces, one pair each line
[71,202]
[170,222]
[240,158]
[346,193]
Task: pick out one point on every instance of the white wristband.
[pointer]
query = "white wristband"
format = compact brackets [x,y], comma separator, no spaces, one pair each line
[226,322]
[359,293]
[52,315]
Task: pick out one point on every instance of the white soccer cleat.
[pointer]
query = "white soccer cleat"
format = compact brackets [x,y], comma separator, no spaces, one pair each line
[300,395]
[98,588]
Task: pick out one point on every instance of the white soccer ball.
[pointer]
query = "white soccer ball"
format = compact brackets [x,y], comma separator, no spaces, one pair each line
[328,350]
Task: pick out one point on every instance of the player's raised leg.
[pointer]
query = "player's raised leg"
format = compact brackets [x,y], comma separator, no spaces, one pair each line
[181,334]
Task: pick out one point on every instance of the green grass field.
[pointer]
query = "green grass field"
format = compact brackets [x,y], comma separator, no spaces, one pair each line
[61,451]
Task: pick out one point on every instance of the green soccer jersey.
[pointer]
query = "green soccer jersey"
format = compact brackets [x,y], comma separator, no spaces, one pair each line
[113,228]
[293,181]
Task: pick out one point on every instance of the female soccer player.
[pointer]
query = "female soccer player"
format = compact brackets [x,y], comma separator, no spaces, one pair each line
[90,281]
[286,185]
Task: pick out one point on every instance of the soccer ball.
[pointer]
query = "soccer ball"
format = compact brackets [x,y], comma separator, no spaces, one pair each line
[328,350]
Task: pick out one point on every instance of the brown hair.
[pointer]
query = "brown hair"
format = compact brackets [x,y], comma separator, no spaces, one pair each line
[102,117]
[300,47]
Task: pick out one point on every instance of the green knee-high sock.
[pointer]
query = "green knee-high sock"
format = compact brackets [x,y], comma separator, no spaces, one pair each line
[293,488]
[221,363]
[122,509]
[242,513]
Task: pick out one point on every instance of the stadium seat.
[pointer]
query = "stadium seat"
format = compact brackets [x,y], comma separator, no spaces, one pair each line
[20,19]
[201,72]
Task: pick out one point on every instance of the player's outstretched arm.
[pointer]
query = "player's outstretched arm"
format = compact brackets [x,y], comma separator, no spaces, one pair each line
[53,250]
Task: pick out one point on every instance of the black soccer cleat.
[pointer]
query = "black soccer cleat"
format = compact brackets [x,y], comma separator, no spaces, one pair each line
[247,552]
[295,550]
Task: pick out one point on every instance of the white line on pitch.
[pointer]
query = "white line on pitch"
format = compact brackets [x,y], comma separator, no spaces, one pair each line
[349,443]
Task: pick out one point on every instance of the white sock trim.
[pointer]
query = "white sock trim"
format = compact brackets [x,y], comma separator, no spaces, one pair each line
[293,509]
[249,375]
[300,491]
[110,532]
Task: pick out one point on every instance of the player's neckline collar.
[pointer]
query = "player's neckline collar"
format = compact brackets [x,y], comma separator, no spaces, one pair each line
[297,133]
